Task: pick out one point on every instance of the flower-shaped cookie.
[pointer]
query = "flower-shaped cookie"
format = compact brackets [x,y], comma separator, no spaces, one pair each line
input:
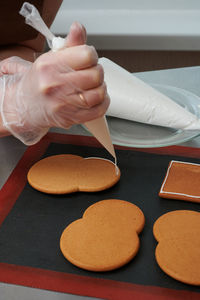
[105,238]
[67,173]
[178,249]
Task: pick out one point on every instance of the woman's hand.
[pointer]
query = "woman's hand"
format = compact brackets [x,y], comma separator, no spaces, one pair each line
[58,90]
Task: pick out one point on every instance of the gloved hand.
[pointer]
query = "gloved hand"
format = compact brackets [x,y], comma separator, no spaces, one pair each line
[58,90]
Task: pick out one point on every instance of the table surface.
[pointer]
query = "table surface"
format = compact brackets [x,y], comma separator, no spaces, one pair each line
[11,151]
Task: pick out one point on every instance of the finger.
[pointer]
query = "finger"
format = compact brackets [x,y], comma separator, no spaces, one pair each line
[84,79]
[65,84]
[97,111]
[67,113]
[77,35]
[80,115]
[95,96]
[76,58]
[90,98]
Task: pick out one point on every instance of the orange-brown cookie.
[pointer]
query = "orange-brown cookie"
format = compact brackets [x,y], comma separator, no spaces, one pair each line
[105,238]
[66,173]
[181,182]
[178,249]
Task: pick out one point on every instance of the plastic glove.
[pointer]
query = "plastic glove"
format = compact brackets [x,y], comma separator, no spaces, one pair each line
[46,93]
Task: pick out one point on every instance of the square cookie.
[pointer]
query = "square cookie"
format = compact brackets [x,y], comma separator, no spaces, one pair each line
[182,182]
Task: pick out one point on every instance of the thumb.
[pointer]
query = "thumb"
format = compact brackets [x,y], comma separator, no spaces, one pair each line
[77,35]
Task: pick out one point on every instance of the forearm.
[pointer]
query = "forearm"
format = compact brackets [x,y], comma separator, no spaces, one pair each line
[17,50]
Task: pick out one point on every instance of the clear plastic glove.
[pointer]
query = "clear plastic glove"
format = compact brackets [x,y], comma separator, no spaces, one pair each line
[58,90]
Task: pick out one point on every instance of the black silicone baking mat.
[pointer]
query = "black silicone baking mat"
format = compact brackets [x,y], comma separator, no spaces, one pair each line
[30,233]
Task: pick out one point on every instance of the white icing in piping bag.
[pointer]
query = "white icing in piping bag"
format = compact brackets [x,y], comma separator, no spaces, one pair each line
[133,99]
[98,127]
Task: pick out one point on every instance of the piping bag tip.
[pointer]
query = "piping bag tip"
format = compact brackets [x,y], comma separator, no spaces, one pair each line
[99,129]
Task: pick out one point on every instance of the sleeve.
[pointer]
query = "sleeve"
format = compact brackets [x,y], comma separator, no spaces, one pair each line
[12,26]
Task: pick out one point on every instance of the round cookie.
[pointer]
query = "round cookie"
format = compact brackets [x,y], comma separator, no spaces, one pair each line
[178,249]
[103,239]
[66,173]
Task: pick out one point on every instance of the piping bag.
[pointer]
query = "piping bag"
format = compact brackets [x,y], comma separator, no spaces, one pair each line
[133,99]
[98,127]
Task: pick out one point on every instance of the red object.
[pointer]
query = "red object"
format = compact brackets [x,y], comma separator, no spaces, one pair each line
[70,283]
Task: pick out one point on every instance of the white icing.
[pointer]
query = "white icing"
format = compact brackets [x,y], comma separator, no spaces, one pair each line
[58,43]
[167,175]
[114,163]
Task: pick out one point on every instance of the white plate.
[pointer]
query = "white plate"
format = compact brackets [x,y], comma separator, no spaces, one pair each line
[134,134]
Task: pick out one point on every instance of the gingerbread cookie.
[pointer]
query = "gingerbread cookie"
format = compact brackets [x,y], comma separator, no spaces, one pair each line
[66,173]
[181,182]
[178,249]
[105,238]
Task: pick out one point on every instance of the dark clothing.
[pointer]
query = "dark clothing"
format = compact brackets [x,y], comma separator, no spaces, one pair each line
[12,25]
